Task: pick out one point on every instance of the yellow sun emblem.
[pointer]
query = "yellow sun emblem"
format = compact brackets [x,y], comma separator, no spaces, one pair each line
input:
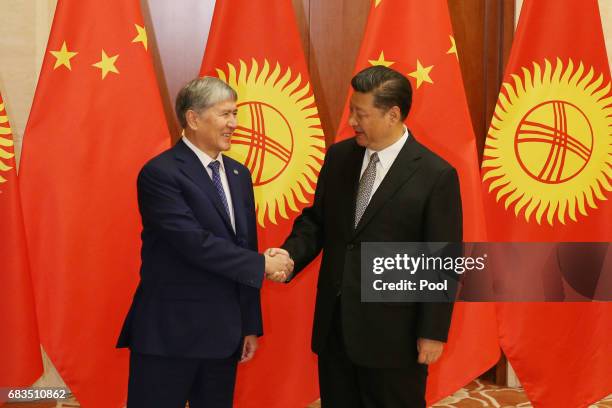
[6,143]
[549,148]
[279,136]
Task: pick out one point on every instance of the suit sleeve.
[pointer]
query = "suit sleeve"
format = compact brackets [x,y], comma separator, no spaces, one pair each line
[165,211]
[306,238]
[443,223]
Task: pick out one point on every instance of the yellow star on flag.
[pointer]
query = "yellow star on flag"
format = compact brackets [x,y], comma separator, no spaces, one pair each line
[421,74]
[141,37]
[381,60]
[107,64]
[63,56]
[453,48]
[377,2]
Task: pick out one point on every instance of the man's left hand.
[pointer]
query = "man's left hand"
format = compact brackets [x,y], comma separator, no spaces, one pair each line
[429,350]
[248,348]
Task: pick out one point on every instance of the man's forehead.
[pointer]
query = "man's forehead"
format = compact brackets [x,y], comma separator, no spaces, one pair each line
[360,99]
[226,105]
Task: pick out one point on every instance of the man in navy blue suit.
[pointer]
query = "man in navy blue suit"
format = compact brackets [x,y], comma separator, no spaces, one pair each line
[196,311]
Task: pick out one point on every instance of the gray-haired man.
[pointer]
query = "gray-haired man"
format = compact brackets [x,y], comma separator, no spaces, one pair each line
[196,311]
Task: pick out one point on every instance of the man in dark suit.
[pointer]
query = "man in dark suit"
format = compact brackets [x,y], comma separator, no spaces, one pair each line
[380,186]
[196,311]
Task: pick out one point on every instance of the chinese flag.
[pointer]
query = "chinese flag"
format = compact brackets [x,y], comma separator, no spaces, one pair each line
[279,138]
[96,119]
[416,39]
[20,359]
[547,168]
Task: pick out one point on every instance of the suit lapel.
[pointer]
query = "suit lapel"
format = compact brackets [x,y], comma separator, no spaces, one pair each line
[349,194]
[192,167]
[233,179]
[405,164]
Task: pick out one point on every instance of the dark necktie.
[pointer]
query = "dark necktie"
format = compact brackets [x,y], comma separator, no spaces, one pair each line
[216,179]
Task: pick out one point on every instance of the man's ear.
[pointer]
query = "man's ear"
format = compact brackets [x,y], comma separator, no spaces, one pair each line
[395,114]
[192,119]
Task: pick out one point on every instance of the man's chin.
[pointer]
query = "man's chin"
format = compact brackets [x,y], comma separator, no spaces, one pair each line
[361,140]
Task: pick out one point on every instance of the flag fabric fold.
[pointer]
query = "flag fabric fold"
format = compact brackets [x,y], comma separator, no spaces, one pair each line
[96,118]
[280,139]
[20,357]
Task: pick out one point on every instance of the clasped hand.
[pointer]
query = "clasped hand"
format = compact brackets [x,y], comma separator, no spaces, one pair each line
[279,265]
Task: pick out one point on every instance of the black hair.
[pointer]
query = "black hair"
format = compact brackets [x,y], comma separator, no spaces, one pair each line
[389,87]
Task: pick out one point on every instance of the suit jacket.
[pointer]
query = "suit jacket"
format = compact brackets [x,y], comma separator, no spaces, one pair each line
[418,200]
[199,281]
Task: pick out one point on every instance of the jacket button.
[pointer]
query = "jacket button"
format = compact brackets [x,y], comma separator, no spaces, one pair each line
[350,247]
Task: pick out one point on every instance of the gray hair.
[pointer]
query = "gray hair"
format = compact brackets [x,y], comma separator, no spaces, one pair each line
[200,94]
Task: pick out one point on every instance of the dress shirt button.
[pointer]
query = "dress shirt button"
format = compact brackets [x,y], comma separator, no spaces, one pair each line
[350,247]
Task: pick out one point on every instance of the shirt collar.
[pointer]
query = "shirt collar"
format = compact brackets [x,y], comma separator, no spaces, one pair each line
[387,155]
[204,158]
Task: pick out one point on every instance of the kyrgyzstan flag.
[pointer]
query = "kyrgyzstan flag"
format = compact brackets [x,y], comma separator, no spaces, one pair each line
[20,359]
[547,168]
[416,38]
[256,49]
[96,119]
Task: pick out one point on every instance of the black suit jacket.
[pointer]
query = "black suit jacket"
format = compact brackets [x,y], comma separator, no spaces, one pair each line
[199,289]
[418,200]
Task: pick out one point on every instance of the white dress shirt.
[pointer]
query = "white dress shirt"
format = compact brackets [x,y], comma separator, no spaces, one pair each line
[205,160]
[386,157]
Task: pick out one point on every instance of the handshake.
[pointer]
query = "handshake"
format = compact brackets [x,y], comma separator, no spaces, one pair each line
[279,265]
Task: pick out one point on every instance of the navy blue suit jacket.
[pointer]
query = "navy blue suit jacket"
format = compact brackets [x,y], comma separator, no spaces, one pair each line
[199,281]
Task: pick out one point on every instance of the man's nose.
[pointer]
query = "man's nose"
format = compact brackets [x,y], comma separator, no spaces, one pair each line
[351,120]
[232,123]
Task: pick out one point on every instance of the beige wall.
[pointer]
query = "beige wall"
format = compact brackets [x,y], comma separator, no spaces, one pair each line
[24,29]
[605,7]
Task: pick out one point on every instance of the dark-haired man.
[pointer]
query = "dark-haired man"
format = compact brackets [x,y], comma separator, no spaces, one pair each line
[380,186]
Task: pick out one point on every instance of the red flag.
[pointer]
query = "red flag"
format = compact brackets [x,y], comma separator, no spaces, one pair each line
[279,138]
[547,166]
[96,118]
[20,358]
[416,39]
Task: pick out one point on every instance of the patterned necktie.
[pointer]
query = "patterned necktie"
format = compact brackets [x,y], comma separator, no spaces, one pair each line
[216,179]
[365,188]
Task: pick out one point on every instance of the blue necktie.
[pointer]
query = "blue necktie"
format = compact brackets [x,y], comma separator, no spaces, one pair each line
[216,179]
